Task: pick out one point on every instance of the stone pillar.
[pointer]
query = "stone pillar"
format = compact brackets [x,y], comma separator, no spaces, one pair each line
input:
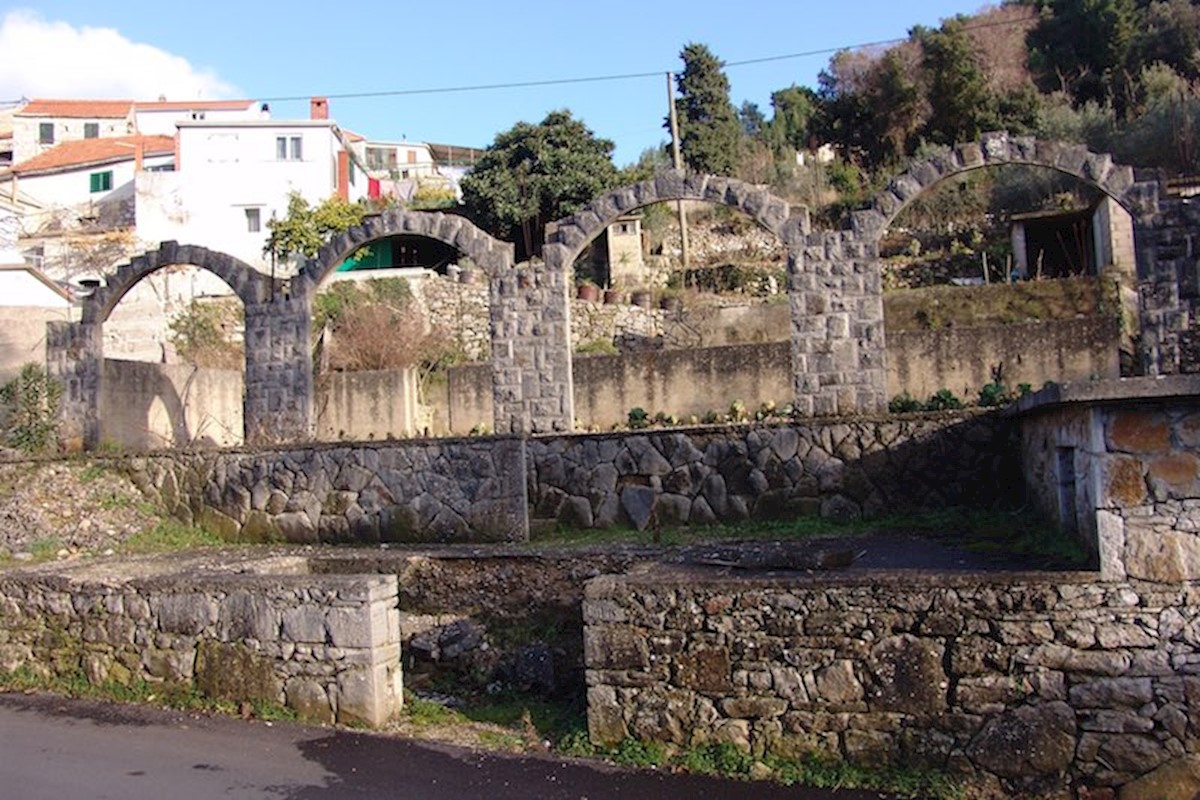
[1169,287]
[531,348]
[279,377]
[836,297]
[75,357]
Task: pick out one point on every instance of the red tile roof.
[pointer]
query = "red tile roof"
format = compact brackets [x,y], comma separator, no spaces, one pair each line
[83,152]
[195,105]
[351,136]
[85,109]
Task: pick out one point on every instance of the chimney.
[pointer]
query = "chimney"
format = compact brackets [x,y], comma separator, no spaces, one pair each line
[343,174]
[139,154]
[318,108]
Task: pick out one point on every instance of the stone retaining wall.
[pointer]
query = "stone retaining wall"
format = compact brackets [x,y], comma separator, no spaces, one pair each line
[1028,685]
[328,648]
[416,491]
[841,469]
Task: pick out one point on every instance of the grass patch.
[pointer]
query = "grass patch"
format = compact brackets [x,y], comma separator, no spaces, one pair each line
[92,472]
[178,697]
[428,713]
[45,549]
[549,720]
[169,535]
[904,782]
[1016,533]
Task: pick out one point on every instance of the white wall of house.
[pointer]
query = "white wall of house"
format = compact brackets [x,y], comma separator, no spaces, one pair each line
[401,160]
[72,187]
[27,132]
[153,121]
[233,177]
[20,287]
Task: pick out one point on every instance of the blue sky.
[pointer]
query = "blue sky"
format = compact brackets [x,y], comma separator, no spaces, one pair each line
[261,49]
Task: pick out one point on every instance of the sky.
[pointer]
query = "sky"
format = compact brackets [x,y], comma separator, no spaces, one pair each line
[266,50]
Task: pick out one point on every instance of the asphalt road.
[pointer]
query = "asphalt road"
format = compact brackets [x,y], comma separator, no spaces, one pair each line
[57,749]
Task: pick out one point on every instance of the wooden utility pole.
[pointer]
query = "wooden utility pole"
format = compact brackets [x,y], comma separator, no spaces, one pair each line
[678,163]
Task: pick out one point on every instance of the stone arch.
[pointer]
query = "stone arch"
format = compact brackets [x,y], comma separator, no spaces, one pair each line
[774,214]
[490,254]
[995,149]
[250,285]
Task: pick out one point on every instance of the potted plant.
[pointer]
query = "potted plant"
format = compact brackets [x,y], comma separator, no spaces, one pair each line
[613,296]
[587,290]
[670,300]
[642,297]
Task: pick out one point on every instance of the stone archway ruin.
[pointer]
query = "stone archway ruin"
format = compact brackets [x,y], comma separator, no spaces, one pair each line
[834,288]
[1166,273]
[75,350]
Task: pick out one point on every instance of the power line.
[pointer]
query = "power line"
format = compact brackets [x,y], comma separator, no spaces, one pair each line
[485,87]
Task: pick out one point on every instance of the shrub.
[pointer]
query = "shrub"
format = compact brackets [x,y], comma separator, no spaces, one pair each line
[32,401]
[904,403]
[638,418]
[943,400]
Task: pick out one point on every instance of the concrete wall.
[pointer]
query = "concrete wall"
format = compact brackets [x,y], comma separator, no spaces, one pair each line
[327,647]
[147,406]
[692,382]
[365,405]
[1026,686]
[23,336]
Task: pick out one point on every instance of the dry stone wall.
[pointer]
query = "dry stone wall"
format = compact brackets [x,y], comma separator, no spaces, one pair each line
[841,469]
[328,647]
[415,491]
[1029,686]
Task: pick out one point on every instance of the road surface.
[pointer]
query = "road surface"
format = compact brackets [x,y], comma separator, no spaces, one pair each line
[53,748]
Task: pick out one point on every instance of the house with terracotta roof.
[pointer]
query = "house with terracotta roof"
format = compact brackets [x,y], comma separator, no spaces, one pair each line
[44,124]
[93,176]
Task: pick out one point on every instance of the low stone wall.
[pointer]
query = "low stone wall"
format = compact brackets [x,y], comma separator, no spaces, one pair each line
[1027,685]
[415,491]
[327,647]
[841,469]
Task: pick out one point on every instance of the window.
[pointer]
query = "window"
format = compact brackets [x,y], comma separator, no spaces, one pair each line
[412,156]
[288,148]
[91,130]
[253,220]
[100,181]
[45,133]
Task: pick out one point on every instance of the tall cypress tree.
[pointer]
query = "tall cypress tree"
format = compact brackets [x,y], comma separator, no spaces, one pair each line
[709,131]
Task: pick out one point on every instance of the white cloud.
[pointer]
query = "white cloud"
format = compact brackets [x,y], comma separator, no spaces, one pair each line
[54,59]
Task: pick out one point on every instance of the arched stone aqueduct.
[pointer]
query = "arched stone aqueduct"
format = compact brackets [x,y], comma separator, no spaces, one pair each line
[834,290]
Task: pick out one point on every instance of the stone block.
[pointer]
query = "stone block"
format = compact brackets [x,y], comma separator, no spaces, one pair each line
[1178,778]
[606,721]
[909,676]
[367,696]
[1032,741]
[706,669]
[304,624]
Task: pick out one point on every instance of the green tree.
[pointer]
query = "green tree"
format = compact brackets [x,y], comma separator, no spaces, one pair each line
[961,105]
[305,229]
[793,112]
[710,134]
[534,174]
[1086,48]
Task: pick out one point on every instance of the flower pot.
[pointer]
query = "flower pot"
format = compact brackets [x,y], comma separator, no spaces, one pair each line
[670,304]
[588,292]
[468,276]
[641,298]
[612,297]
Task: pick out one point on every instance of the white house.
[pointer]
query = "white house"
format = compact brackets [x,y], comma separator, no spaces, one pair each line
[231,177]
[158,117]
[399,160]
